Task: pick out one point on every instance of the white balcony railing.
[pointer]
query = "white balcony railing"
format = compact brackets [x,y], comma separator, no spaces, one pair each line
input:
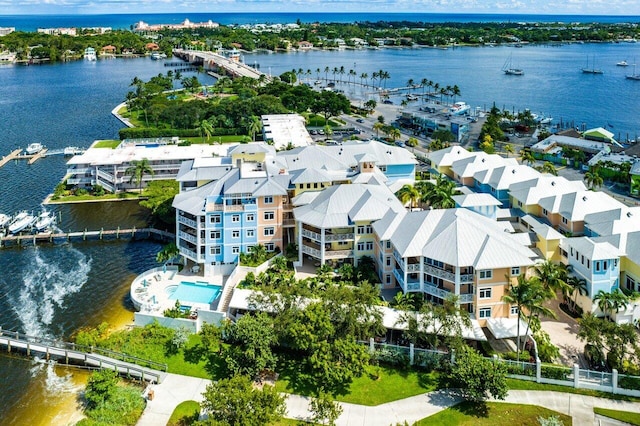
[312,235]
[443,294]
[105,175]
[437,272]
[338,237]
[311,251]
[338,254]
[189,222]
[188,237]
[413,267]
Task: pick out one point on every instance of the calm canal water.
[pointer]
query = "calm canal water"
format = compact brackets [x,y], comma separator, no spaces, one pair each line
[54,291]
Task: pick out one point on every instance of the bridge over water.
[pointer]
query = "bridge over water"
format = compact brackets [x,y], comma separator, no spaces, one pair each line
[213,61]
[72,354]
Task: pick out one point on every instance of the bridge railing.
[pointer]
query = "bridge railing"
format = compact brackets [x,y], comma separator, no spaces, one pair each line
[68,346]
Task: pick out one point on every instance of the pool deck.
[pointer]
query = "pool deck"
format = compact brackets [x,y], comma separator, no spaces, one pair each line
[149,290]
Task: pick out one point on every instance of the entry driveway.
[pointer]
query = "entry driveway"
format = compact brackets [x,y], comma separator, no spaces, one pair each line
[563,333]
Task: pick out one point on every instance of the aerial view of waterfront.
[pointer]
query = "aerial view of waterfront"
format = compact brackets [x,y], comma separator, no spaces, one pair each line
[55,290]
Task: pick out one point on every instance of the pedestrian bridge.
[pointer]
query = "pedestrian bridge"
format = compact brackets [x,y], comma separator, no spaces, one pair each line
[92,357]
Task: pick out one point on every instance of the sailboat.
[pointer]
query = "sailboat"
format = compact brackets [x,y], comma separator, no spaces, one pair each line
[508,68]
[593,69]
[634,76]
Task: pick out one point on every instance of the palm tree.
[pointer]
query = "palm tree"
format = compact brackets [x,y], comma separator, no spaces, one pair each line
[438,195]
[206,129]
[548,167]
[254,126]
[364,76]
[528,157]
[167,253]
[137,170]
[408,194]
[593,179]
[578,288]
[341,72]
[508,148]
[394,134]
[317,73]
[455,91]
[377,126]
[552,276]
[635,186]
[520,296]
[326,73]
[611,301]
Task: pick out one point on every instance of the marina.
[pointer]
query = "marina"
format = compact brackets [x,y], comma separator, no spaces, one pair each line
[32,157]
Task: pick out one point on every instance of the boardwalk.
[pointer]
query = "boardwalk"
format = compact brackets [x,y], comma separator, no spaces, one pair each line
[69,353]
[12,156]
[58,237]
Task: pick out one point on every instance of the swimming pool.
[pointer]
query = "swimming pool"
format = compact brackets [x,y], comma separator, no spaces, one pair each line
[195,292]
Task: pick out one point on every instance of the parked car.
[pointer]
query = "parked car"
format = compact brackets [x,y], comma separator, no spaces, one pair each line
[313,132]
[388,102]
[360,120]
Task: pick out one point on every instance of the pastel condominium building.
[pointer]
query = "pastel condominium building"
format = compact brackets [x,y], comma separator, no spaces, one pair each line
[596,235]
[228,204]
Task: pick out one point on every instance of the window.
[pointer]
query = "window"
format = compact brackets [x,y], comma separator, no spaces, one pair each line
[519,203]
[268,200]
[360,229]
[235,250]
[515,271]
[588,264]
[214,235]
[582,259]
[484,313]
[235,234]
[545,212]
[388,244]
[388,260]
[214,249]
[250,232]
[360,246]
[605,265]
[214,219]
[269,231]
[388,279]
[269,215]
[485,274]
[270,247]
[564,220]
[514,310]
[251,217]
[235,218]
[369,245]
[597,264]
[631,284]
[615,263]
[484,293]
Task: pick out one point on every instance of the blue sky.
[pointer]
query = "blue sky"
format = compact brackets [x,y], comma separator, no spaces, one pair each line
[578,7]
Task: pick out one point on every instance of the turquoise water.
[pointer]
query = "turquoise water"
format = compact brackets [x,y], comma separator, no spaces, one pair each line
[196,292]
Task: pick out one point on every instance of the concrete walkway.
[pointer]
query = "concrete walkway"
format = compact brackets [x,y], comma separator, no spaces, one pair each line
[176,389]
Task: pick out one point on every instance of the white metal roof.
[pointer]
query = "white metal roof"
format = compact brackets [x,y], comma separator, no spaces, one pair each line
[506,328]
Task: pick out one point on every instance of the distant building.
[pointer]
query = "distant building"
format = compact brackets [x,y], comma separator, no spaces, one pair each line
[58,31]
[6,30]
[143,26]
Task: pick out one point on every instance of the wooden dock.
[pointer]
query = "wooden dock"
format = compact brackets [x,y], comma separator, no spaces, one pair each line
[63,237]
[12,156]
[72,354]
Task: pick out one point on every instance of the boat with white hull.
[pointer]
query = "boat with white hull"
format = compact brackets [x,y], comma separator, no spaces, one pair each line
[22,221]
[44,221]
[4,220]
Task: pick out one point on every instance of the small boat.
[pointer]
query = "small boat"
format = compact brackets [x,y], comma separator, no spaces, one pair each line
[634,76]
[593,69]
[34,148]
[509,69]
[459,108]
[4,220]
[412,97]
[158,55]
[622,64]
[44,221]
[73,150]
[90,54]
[20,222]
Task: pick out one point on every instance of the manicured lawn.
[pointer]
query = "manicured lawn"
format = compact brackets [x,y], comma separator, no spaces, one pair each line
[89,197]
[391,385]
[623,416]
[491,414]
[112,144]
[516,384]
[185,414]
[291,422]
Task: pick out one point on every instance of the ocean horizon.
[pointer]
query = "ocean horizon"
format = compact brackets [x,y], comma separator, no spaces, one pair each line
[127,20]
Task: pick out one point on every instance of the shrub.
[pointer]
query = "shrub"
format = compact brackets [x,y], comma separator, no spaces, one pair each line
[557,373]
[391,357]
[100,388]
[628,382]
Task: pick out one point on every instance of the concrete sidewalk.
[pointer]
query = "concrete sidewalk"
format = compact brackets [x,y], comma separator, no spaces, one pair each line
[176,389]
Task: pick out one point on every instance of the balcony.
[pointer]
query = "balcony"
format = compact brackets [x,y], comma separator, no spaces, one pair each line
[413,267]
[188,237]
[190,254]
[312,235]
[338,254]
[234,208]
[212,207]
[440,273]
[105,175]
[339,237]
[189,222]
[412,285]
[466,278]
[82,170]
[288,222]
[443,294]
[311,251]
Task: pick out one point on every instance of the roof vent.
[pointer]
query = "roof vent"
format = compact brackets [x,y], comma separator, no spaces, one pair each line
[553,183]
[629,214]
[513,171]
[482,160]
[584,198]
